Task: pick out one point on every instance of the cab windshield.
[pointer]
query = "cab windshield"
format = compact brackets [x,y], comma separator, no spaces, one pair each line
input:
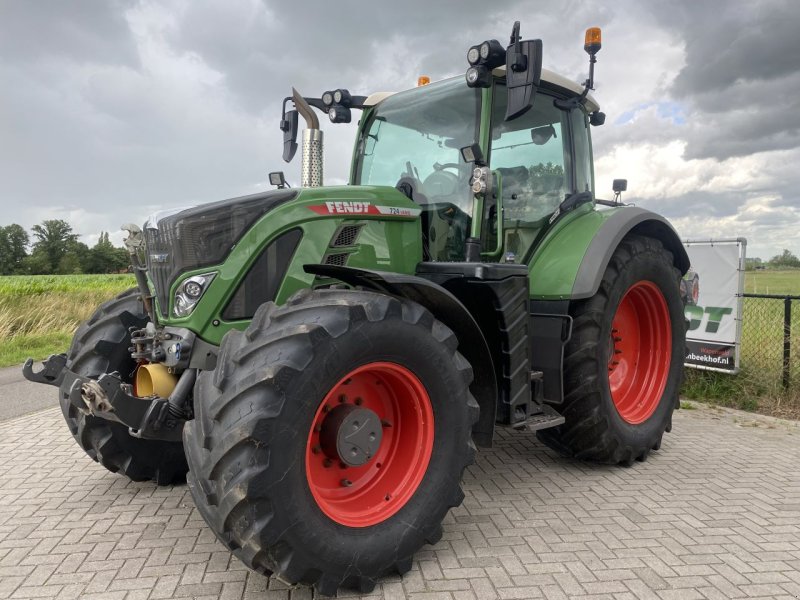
[413,138]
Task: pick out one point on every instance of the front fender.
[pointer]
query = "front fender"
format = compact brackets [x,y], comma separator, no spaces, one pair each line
[450,311]
[570,263]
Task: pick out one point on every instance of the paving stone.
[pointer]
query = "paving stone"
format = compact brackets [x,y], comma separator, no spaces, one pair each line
[714,514]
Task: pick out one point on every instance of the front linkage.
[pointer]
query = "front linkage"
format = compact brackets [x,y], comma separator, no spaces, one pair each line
[109,398]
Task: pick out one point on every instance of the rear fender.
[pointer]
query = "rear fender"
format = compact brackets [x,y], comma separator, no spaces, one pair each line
[569,265]
[450,311]
[570,262]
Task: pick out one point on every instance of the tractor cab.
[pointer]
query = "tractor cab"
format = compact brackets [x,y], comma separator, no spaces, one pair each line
[491,159]
[412,140]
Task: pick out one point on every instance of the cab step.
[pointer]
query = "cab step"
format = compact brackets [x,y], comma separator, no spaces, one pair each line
[545,419]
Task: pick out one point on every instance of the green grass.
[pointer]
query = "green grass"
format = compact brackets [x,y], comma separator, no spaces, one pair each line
[769,281]
[39,314]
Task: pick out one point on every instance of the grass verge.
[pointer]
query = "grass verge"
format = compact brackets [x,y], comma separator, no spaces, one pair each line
[38,315]
[745,391]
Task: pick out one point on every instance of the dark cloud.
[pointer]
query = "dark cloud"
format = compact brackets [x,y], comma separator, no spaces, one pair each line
[264,47]
[727,42]
[82,30]
[113,109]
[740,76]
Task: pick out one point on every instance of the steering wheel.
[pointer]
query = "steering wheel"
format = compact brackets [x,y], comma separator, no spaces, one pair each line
[440,184]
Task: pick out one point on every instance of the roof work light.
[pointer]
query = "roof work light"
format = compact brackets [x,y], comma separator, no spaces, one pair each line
[482,58]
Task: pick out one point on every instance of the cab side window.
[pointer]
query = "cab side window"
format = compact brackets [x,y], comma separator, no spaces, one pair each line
[531,153]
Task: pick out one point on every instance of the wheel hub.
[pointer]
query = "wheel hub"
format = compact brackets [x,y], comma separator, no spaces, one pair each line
[639,352]
[351,434]
[369,444]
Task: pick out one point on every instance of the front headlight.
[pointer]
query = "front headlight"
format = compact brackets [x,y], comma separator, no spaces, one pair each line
[189,293]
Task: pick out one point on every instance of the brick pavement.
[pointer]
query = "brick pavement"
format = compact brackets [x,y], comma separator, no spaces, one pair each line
[714,514]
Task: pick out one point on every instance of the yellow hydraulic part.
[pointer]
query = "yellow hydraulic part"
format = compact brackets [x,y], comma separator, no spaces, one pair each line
[154,380]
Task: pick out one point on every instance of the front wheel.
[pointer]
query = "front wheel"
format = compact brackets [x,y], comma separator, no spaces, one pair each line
[330,441]
[102,345]
[624,362]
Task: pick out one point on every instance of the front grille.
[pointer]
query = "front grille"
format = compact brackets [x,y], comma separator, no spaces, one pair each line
[159,266]
[202,236]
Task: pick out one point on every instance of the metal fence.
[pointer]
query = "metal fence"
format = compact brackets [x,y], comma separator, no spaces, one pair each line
[770,343]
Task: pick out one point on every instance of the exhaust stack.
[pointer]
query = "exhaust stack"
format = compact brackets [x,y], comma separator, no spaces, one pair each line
[311,165]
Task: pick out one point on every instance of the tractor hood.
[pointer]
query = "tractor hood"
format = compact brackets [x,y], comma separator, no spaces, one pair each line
[192,238]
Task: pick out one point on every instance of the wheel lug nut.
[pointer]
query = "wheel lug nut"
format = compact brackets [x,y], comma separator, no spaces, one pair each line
[617,339]
[326,408]
[316,449]
[327,463]
[359,401]
[342,399]
[346,483]
[617,351]
[385,423]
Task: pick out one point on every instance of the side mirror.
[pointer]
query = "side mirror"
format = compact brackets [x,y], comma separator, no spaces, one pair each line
[289,128]
[541,135]
[523,73]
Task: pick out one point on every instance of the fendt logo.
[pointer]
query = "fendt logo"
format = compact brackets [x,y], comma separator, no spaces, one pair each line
[355,208]
[695,314]
[363,208]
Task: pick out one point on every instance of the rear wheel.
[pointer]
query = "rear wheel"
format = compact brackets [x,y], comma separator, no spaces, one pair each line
[623,364]
[330,441]
[101,345]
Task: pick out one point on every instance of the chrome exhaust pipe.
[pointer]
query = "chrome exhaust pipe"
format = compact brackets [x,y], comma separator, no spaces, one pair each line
[311,165]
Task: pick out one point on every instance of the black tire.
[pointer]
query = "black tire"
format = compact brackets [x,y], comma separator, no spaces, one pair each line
[594,429]
[251,428]
[101,345]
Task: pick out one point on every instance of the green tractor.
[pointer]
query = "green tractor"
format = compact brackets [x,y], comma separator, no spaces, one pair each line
[321,362]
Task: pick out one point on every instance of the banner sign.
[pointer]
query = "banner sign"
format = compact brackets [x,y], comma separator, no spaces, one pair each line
[712,294]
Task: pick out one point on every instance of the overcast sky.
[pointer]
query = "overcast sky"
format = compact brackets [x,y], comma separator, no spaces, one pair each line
[112,109]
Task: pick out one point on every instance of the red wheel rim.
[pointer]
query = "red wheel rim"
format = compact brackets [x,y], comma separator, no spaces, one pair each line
[640,350]
[360,496]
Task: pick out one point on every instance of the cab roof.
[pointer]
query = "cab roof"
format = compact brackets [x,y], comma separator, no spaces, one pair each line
[549,79]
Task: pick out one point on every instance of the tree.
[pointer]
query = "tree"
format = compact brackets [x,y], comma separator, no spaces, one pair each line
[751,264]
[54,237]
[13,243]
[785,259]
[75,259]
[38,263]
[105,258]
[69,264]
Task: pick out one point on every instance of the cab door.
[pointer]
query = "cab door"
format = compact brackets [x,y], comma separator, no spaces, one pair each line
[538,159]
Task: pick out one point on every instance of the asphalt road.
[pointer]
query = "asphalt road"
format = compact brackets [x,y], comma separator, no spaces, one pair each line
[19,397]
